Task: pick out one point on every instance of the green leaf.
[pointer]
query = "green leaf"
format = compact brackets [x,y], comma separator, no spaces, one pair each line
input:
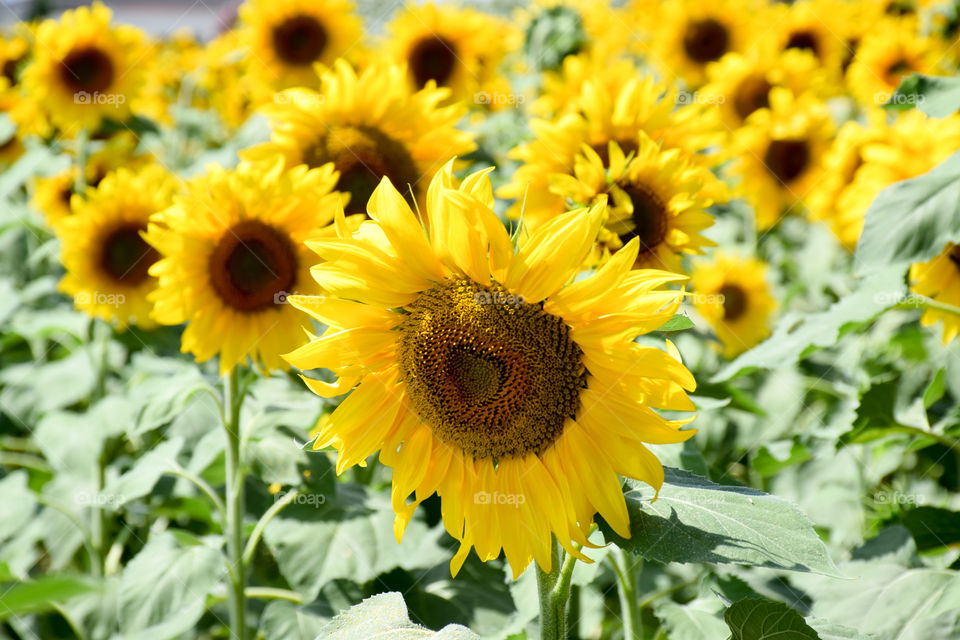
[678,322]
[911,221]
[140,479]
[282,619]
[695,520]
[762,619]
[553,35]
[767,464]
[936,96]
[935,389]
[43,594]
[164,588]
[385,616]
[797,334]
[933,527]
[690,621]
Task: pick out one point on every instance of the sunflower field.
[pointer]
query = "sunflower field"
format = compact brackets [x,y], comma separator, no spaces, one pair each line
[505,320]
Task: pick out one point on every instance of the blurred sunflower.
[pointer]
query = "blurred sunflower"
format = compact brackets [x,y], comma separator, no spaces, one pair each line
[225,82]
[911,146]
[605,114]
[369,127]
[781,153]
[733,295]
[285,38]
[653,195]
[740,84]
[85,70]
[105,256]
[687,35]
[11,148]
[560,88]
[454,47]
[939,279]
[231,250]
[482,373]
[809,25]
[890,51]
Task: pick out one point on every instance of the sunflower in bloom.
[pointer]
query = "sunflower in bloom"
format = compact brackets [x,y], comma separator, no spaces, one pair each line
[817,26]
[483,373]
[939,279]
[285,38]
[733,295]
[688,35]
[603,115]
[654,195]
[911,146]
[84,70]
[889,52]
[453,47]
[231,250]
[102,248]
[560,88]
[781,152]
[369,127]
[740,84]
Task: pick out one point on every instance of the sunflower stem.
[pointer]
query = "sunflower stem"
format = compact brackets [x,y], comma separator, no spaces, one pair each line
[627,591]
[553,588]
[233,399]
[924,303]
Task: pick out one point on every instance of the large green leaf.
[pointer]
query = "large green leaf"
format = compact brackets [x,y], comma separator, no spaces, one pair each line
[797,334]
[694,620]
[911,221]
[43,594]
[762,619]
[937,96]
[140,479]
[385,616]
[695,520]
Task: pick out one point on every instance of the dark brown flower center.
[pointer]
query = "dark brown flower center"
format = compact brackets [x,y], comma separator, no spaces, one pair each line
[955,256]
[706,40]
[753,93]
[9,70]
[253,265]
[88,69]
[900,8]
[852,45]
[125,256]
[649,218]
[363,156]
[806,40]
[432,58]
[897,70]
[627,145]
[734,301]
[787,159]
[299,40]
[489,372]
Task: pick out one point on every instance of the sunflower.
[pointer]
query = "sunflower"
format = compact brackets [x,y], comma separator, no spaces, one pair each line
[605,114]
[732,294]
[817,26]
[453,47]
[687,35]
[84,70]
[561,88]
[225,82]
[890,51]
[285,38]
[911,146]
[105,256]
[781,152]
[231,250]
[940,279]
[740,84]
[369,127]
[656,196]
[482,373]
[11,148]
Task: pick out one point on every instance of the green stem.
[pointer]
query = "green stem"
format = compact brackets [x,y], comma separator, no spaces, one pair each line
[101,340]
[269,593]
[235,506]
[923,303]
[201,484]
[627,591]
[262,523]
[554,591]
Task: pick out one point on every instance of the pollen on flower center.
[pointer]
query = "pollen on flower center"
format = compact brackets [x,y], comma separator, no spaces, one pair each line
[299,40]
[88,69]
[363,155]
[487,371]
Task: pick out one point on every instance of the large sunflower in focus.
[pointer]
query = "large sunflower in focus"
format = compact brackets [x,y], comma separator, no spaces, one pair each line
[106,259]
[733,295]
[654,195]
[781,153]
[287,37]
[481,372]
[231,250]
[85,70]
[939,279]
[369,127]
[604,114]
[457,48]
